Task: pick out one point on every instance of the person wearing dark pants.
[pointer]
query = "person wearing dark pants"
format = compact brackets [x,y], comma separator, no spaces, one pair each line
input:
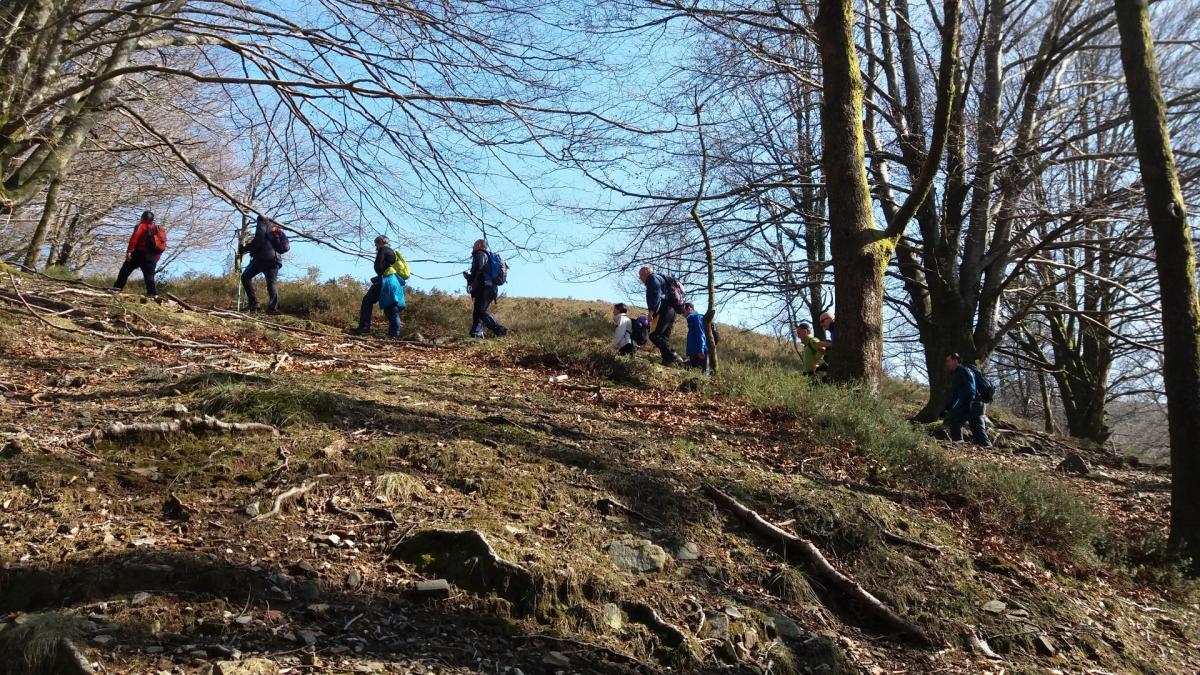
[266,260]
[964,406]
[387,289]
[145,248]
[662,313]
[697,341]
[481,285]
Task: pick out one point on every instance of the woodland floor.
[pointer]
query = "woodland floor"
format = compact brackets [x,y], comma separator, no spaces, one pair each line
[150,543]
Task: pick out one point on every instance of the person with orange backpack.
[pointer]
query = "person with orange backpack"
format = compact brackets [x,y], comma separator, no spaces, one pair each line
[146,246]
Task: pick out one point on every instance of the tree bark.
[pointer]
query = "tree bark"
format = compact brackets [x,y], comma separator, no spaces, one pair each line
[39,234]
[858,258]
[1176,262]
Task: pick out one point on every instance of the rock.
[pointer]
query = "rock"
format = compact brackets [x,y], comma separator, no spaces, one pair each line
[785,627]
[1045,645]
[252,509]
[434,589]
[750,638]
[139,598]
[308,590]
[319,609]
[327,539]
[637,555]
[1025,450]
[556,659]
[153,649]
[102,640]
[688,551]
[14,446]
[716,626]
[1073,464]
[354,579]
[173,509]
[306,567]
[466,559]
[994,607]
[308,637]
[734,613]
[178,411]
[613,617]
[255,666]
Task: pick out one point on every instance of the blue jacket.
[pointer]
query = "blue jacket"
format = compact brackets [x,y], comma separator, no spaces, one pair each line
[391,291]
[656,290]
[697,342]
[962,392]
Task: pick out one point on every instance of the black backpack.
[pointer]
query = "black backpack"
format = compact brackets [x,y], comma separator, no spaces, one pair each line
[985,389]
[279,241]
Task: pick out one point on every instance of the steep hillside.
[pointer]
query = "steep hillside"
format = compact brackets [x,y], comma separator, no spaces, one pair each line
[184,488]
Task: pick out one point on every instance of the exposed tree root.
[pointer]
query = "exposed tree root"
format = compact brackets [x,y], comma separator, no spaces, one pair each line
[672,636]
[608,505]
[195,425]
[277,503]
[808,552]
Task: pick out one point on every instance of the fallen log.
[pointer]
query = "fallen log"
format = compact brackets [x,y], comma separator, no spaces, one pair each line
[808,552]
[119,430]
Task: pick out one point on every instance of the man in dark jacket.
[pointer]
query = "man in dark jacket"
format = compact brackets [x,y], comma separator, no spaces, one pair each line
[964,406]
[481,285]
[385,259]
[662,313]
[145,248]
[264,260]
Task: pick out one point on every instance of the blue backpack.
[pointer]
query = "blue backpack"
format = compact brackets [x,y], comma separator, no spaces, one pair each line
[985,389]
[497,269]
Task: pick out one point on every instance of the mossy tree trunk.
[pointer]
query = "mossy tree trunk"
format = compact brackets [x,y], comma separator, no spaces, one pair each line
[860,252]
[1176,263]
[710,313]
[49,212]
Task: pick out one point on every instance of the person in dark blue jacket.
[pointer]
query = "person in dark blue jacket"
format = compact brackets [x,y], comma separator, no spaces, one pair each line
[483,291]
[264,260]
[697,341]
[662,313]
[964,405]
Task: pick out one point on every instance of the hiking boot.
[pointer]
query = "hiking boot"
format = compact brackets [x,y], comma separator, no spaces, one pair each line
[670,360]
[502,332]
[358,330]
[251,308]
[274,312]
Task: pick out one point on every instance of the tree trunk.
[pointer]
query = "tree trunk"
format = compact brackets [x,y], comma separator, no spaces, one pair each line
[1176,262]
[858,259]
[39,235]
[1047,403]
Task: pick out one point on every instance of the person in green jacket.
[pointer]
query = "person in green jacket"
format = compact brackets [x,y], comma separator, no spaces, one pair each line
[812,350]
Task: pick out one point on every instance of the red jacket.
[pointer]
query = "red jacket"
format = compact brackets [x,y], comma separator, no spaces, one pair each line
[142,240]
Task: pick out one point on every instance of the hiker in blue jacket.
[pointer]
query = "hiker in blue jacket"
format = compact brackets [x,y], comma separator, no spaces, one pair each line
[964,405]
[387,289]
[662,313]
[483,289]
[697,341]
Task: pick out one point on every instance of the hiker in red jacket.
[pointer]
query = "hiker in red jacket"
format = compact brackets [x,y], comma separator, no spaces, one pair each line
[146,246]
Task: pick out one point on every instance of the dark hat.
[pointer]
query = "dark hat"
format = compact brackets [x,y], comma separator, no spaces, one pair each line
[148,216]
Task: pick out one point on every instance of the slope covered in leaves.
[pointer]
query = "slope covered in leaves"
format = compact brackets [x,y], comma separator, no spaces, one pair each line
[560,494]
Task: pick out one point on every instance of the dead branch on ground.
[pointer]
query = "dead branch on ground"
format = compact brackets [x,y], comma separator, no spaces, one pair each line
[119,430]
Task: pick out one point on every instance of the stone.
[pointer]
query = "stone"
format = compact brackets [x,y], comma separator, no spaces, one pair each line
[1045,645]
[637,555]
[716,626]
[308,637]
[785,627]
[688,551]
[14,446]
[354,579]
[154,649]
[1073,464]
[319,609]
[434,589]
[139,598]
[749,638]
[994,607]
[556,659]
[308,590]
[613,617]
[734,613]
[177,411]
[252,509]
[1025,450]
[102,639]
[254,666]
